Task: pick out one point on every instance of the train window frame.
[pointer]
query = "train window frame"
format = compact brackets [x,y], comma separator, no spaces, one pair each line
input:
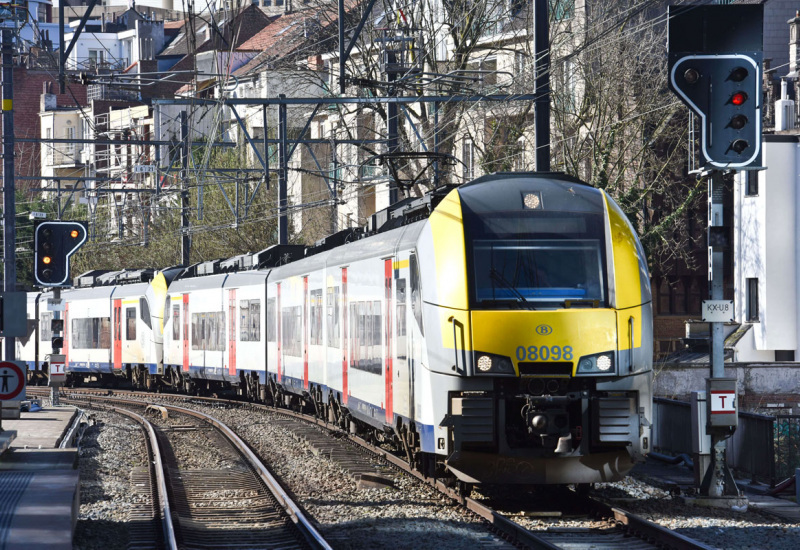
[250,320]
[416,290]
[315,317]
[333,312]
[176,321]
[88,333]
[208,331]
[272,328]
[144,312]
[167,311]
[130,323]
[45,326]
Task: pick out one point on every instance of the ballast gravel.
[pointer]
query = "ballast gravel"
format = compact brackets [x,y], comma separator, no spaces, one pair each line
[408,515]
[112,446]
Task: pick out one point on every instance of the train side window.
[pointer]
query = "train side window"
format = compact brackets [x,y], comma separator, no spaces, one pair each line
[167,310]
[272,333]
[250,317]
[176,322]
[45,328]
[315,329]
[144,312]
[130,323]
[400,322]
[292,331]
[333,317]
[416,291]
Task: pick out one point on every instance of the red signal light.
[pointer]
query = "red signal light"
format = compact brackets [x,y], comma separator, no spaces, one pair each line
[738,98]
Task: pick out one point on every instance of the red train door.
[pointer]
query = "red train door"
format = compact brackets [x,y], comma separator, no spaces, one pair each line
[232,332]
[185,333]
[387,330]
[345,342]
[117,306]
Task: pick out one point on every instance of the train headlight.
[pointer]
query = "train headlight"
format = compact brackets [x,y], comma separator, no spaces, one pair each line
[598,364]
[489,363]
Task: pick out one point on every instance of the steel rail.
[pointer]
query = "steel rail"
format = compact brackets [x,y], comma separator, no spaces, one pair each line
[313,536]
[304,525]
[163,499]
[518,534]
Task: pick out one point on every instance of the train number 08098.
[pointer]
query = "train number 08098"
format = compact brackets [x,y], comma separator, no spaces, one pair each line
[544,353]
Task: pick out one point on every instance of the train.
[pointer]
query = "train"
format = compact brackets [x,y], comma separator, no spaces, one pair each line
[495,332]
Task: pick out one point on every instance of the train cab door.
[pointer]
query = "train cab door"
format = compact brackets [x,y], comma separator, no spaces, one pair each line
[117,360]
[232,332]
[389,347]
[402,380]
[185,335]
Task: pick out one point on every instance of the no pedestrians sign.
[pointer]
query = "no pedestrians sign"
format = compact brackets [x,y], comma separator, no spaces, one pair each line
[12,381]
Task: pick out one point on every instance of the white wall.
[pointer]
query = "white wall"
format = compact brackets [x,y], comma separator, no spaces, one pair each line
[765,245]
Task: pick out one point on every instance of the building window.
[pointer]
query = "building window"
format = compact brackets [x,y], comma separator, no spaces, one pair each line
[751,183]
[96,58]
[752,300]
[468,157]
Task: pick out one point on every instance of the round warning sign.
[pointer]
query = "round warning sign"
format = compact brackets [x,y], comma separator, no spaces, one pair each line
[12,380]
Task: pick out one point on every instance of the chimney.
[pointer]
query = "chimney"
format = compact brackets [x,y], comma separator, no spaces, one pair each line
[784,109]
[48,100]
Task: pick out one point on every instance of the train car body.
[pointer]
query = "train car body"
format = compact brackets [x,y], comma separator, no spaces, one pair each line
[213,328]
[501,330]
[110,330]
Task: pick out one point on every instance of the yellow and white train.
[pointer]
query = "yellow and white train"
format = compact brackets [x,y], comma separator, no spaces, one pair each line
[501,330]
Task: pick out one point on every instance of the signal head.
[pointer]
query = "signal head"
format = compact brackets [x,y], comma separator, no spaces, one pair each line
[738,74]
[738,122]
[738,98]
[691,75]
[739,146]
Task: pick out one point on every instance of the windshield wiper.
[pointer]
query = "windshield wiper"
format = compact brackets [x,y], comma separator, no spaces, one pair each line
[581,302]
[497,277]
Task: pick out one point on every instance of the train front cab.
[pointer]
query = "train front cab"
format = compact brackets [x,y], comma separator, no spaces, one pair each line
[550,331]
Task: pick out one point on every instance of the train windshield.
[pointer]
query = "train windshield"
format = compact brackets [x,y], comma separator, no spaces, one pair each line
[537,272]
[534,241]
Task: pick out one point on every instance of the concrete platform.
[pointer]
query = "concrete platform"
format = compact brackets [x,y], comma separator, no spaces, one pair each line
[43,429]
[39,482]
[670,475]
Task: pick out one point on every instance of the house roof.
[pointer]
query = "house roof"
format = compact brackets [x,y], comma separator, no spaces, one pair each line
[218,31]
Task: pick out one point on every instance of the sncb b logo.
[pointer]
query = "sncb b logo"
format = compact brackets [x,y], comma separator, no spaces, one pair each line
[544,330]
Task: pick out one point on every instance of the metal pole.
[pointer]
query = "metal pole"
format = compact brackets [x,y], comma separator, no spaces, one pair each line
[186,242]
[718,480]
[715,211]
[341,48]
[542,102]
[283,176]
[266,145]
[62,57]
[393,144]
[9,205]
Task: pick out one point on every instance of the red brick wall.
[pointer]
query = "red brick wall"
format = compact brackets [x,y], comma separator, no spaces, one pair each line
[28,88]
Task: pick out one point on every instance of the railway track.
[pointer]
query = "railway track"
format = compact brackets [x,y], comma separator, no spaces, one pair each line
[601,525]
[231,502]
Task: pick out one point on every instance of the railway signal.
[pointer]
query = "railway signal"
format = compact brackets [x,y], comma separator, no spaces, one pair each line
[54,243]
[724,90]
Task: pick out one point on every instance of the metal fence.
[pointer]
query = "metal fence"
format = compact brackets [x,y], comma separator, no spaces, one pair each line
[763,447]
[787,445]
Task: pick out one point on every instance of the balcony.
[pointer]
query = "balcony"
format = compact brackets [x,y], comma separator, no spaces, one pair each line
[63,155]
